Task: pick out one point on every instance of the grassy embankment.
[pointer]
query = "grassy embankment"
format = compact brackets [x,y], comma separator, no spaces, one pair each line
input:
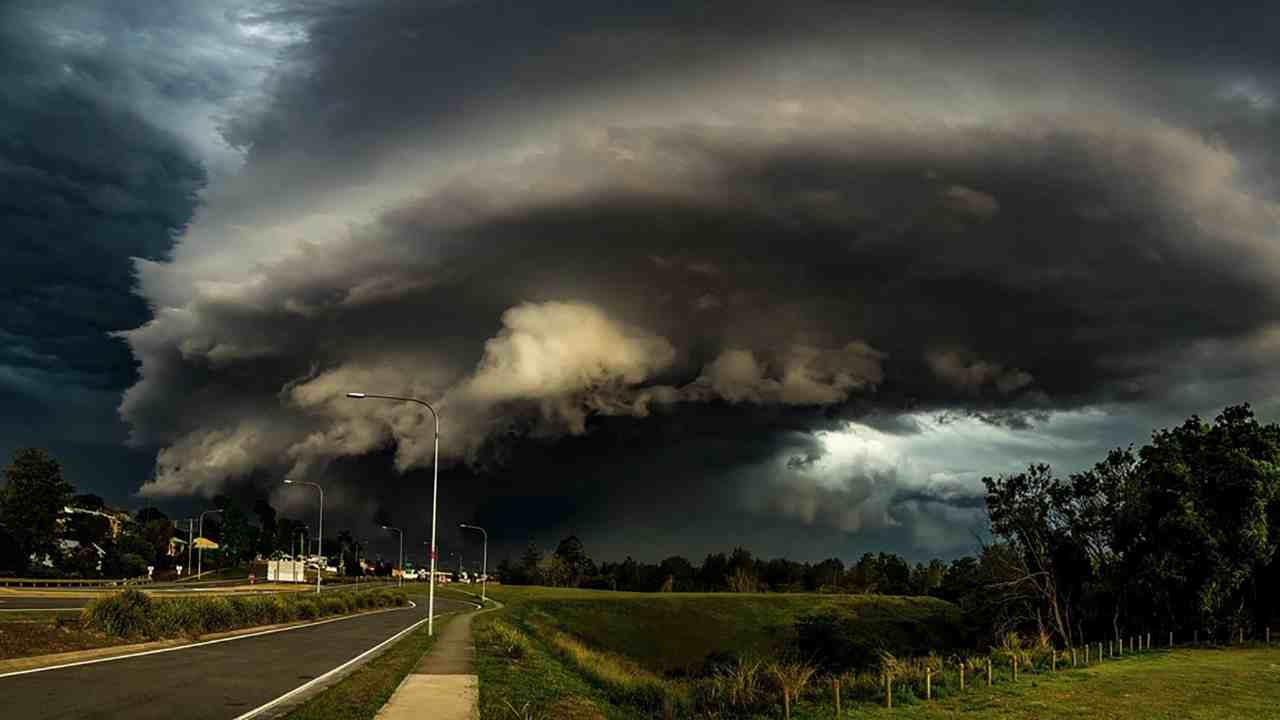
[578,654]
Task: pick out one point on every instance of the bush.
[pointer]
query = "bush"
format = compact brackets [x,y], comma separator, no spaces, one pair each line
[506,640]
[306,610]
[124,614]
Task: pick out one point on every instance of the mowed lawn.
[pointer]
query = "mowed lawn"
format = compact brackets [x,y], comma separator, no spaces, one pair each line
[1235,684]
[677,631]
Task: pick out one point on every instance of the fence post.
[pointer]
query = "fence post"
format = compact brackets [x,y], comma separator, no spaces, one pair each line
[835,692]
[1073,657]
[1086,654]
[888,691]
[1148,641]
[961,676]
[988,672]
[1015,668]
[1099,652]
[1170,639]
[928,683]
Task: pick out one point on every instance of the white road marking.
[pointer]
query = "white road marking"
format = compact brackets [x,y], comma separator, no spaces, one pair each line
[198,644]
[331,673]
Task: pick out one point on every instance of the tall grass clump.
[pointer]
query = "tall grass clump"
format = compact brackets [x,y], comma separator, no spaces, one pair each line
[505,640]
[623,680]
[124,614]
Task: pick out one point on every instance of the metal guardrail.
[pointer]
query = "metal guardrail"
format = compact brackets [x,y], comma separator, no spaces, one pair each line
[71,582]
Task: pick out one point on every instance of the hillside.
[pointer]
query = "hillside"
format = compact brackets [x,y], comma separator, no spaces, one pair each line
[673,633]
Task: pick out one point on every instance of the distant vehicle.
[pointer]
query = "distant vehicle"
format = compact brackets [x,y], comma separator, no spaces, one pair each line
[410,574]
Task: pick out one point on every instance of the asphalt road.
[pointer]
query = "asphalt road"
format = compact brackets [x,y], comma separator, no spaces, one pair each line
[217,681]
[18,603]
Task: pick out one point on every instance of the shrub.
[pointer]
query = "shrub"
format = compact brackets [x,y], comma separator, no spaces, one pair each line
[506,640]
[176,617]
[306,610]
[124,614]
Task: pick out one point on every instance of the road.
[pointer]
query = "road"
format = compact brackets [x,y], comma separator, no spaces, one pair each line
[217,681]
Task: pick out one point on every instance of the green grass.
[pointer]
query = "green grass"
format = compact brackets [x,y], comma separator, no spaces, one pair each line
[1235,684]
[668,632]
[539,685]
[362,693]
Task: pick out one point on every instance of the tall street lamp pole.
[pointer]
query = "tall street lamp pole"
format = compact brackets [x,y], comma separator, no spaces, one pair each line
[401,534]
[319,532]
[191,526]
[484,571]
[200,555]
[435,482]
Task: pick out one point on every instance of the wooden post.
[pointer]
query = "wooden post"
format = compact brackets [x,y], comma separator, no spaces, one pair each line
[1170,639]
[961,676]
[835,693]
[988,672]
[1086,654]
[888,691]
[928,683]
[1148,641]
[1073,657]
[786,704]
[1099,652]
[1015,668]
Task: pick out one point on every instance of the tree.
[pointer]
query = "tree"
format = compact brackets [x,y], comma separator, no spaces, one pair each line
[32,500]
[527,570]
[1199,532]
[1024,512]
[157,533]
[148,514]
[87,528]
[573,556]
[267,535]
[88,501]
[238,537]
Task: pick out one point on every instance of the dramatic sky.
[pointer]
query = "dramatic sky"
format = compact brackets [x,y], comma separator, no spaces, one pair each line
[678,276]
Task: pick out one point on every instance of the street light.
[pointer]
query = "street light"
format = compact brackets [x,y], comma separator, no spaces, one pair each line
[319,533]
[484,571]
[191,525]
[435,482]
[401,533]
[304,548]
[200,555]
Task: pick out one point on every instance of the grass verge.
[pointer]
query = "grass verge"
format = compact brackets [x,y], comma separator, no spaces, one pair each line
[362,693]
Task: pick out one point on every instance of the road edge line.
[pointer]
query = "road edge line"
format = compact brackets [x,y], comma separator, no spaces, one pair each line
[188,646]
[307,685]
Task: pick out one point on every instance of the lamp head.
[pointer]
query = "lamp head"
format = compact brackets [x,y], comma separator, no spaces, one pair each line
[287,481]
[356,396]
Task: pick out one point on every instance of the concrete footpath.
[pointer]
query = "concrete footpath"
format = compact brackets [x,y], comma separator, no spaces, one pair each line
[444,685]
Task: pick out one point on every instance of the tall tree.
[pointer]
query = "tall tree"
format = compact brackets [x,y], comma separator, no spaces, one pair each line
[35,495]
[267,535]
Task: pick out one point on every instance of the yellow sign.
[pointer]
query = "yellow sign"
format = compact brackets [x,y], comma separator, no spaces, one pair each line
[203,543]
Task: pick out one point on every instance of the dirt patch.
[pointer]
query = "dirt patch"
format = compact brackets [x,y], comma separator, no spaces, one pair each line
[575,708]
[43,637]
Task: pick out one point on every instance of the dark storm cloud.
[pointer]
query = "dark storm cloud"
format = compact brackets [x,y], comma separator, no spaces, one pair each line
[101,160]
[736,228]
